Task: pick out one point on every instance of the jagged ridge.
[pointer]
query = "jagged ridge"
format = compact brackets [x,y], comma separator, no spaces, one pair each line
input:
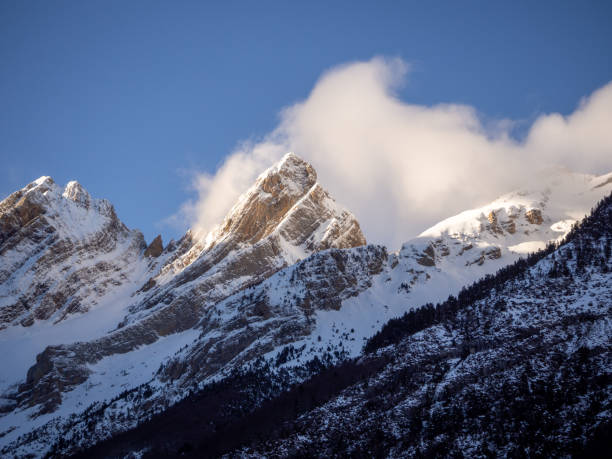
[295,217]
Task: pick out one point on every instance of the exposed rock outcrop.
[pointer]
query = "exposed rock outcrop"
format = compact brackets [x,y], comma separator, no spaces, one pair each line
[61,250]
[428,257]
[283,218]
[491,253]
[534,216]
[255,321]
[223,299]
[155,248]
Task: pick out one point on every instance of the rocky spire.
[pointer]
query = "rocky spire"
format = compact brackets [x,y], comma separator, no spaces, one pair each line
[264,205]
[155,248]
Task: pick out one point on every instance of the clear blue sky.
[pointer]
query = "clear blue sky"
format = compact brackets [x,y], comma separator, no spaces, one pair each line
[124,95]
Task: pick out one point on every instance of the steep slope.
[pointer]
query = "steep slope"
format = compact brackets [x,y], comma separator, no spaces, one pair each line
[266,326]
[518,364]
[259,322]
[283,218]
[214,304]
[285,208]
[62,251]
[68,266]
[445,258]
[477,242]
[427,269]
[320,310]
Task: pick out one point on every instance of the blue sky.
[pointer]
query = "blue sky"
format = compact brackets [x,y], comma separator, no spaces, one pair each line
[129,98]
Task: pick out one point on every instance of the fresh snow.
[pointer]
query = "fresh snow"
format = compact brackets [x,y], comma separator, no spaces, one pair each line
[110,377]
[403,284]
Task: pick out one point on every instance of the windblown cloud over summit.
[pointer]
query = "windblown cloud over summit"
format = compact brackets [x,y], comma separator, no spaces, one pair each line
[401,167]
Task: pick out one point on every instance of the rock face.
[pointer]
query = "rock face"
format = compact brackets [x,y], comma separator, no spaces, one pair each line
[505,372]
[279,311]
[259,212]
[477,242]
[61,251]
[155,248]
[286,212]
[285,277]
[282,219]
[531,342]
[534,216]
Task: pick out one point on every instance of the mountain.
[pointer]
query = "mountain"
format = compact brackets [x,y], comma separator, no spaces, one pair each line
[281,291]
[517,364]
[62,253]
[283,218]
[467,246]
[66,265]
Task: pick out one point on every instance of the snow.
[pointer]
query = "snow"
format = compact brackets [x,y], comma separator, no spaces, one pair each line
[41,180]
[563,196]
[27,342]
[110,377]
[363,315]
[76,224]
[527,247]
[291,253]
[72,220]
[403,284]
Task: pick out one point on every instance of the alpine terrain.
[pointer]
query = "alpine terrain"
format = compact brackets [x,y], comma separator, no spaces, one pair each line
[282,333]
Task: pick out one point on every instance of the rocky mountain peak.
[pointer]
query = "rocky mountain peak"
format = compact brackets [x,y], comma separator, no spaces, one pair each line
[75,192]
[42,186]
[271,280]
[44,180]
[59,205]
[23,207]
[61,251]
[285,210]
[285,217]
[290,175]
[264,205]
[155,248]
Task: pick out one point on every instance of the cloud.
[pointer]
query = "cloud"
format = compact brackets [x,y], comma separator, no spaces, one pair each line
[581,141]
[402,167]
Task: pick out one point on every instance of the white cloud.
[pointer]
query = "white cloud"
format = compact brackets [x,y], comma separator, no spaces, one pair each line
[581,141]
[401,167]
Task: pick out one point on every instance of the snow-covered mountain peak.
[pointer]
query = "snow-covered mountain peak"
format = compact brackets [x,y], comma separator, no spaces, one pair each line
[560,199]
[75,192]
[477,242]
[285,217]
[42,186]
[261,208]
[69,210]
[62,251]
[294,172]
[287,204]
[45,179]
[174,318]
